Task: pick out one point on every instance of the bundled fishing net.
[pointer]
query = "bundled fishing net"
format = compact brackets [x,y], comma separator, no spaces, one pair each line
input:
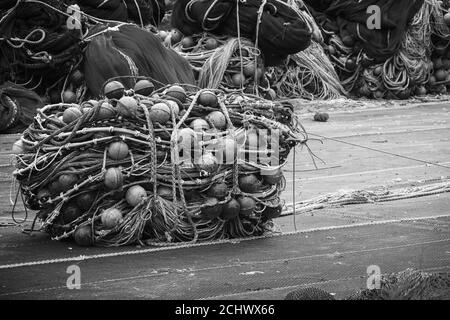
[17,107]
[308,74]
[46,45]
[176,164]
[274,26]
[225,63]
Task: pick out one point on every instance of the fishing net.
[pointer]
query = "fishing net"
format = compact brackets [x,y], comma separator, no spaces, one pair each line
[180,164]
[17,107]
[349,19]
[127,50]
[272,25]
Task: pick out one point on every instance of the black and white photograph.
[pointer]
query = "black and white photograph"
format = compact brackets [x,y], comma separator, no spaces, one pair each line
[227,158]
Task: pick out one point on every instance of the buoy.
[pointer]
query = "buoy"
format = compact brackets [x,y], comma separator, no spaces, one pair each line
[77,78]
[69,213]
[207,162]
[111,218]
[208,99]
[218,190]
[247,205]
[212,209]
[174,106]
[114,90]
[83,236]
[118,150]
[67,181]
[217,120]
[199,124]
[238,80]
[144,87]
[321,117]
[105,112]
[177,92]
[113,178]
[43,195]
[160,113]
[71,114]
[164,192]
[135,194]
[249,183]
[271,176]
[176,36]
[85,200]
[211,44]
[231,209]
[69,97]
[187,43]
[127,106]
[228,147]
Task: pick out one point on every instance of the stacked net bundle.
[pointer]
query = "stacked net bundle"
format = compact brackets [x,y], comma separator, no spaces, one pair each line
[177,164]
[393,61]
[308,74]
[225,63]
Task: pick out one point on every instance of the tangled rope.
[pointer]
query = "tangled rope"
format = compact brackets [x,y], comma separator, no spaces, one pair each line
[74,170]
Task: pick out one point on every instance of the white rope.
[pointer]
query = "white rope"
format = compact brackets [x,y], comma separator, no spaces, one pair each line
[203,244]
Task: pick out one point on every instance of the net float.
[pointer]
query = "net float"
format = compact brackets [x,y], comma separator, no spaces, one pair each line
[272,176]
[207,162]
[227,149]
[85,200]
[70,213]
[199,124]
[114,90]
[175,36]
[247,205]
[231,209]
[118,150]
[187,42]
[127,106]
[447,19]
[211,44]
[208,99]
[111,218]
[77,77]
[249,183]
[69,96]
[83,236]
[165,192]
[106,111]
[113,178]
[135,194]
[67,181]
[321,117]
[238,80]
[43,195]
[144,87]
[160,113]
[71,114]
[217,120]
[218,190]
[177,92]
[174,107]
[211,208]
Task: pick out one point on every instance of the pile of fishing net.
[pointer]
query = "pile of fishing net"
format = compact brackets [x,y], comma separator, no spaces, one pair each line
[230,62]
[164,166]
[225,63]
[394,60]
[65,55]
